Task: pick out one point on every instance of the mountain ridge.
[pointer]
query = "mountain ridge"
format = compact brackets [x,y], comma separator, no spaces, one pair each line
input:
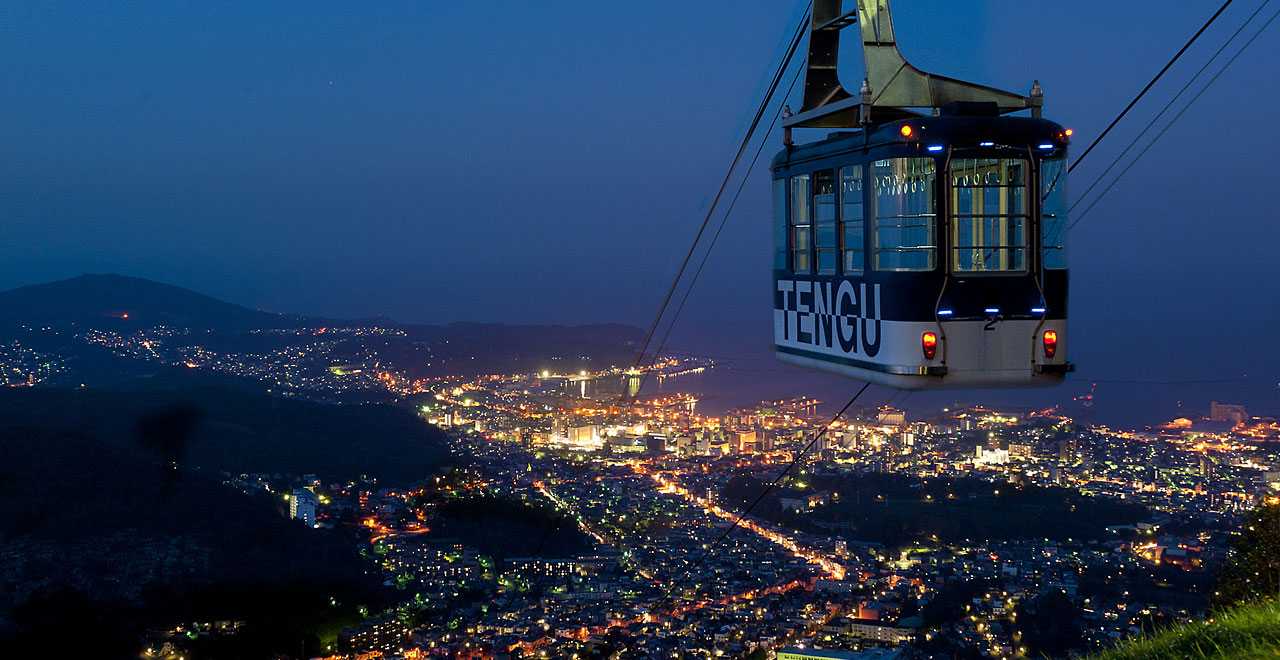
[113,300]
[108,330]
[110,299]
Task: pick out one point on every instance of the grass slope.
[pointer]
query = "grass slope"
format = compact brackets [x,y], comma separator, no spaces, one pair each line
[1245,633]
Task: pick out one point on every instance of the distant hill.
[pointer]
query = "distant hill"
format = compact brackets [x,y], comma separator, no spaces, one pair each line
[121,302]
[125,305]
[240,431]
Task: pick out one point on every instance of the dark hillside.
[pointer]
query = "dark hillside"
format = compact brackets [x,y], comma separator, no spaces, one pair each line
[897,510]
[243,432]
[117,302]
[99,543]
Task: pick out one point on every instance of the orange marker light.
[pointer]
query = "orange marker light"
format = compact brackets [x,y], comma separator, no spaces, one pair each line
[929,344]
[1050,343]
[1069,132]
[906,131]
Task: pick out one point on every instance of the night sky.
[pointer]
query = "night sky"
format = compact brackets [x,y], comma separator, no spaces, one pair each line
[550,162]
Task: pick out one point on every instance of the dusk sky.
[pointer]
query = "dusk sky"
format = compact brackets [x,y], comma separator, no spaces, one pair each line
[550,162]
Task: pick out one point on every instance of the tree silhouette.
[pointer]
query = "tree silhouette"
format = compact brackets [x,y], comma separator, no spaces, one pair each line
[1253,572]
[1050,623]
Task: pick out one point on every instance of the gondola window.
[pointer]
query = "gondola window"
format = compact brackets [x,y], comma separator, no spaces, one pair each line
[780,224]
[851,218]
[989,215]
[824,220]
[904,233]
[1053,213]
[801,227]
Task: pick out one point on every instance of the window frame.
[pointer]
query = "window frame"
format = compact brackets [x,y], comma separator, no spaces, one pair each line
[793,227]
[1042,247]
[832,225]
[874,227]
[781,213]
[843,222]
[1029,228]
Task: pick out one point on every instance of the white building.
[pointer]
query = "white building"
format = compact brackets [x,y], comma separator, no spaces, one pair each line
[302,506]
[584,435]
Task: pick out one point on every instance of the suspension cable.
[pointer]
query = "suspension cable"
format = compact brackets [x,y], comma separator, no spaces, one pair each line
[716,236]
[1150,124]
[764,104]
[1173,121]
[1149,85]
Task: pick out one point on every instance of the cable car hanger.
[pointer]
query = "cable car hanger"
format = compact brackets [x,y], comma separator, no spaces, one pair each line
[891,86]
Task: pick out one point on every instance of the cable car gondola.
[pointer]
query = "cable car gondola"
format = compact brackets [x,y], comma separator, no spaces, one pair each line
[912,250]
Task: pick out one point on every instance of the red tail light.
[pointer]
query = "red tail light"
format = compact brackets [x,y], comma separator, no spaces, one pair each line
[1050,343]
[929,343]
